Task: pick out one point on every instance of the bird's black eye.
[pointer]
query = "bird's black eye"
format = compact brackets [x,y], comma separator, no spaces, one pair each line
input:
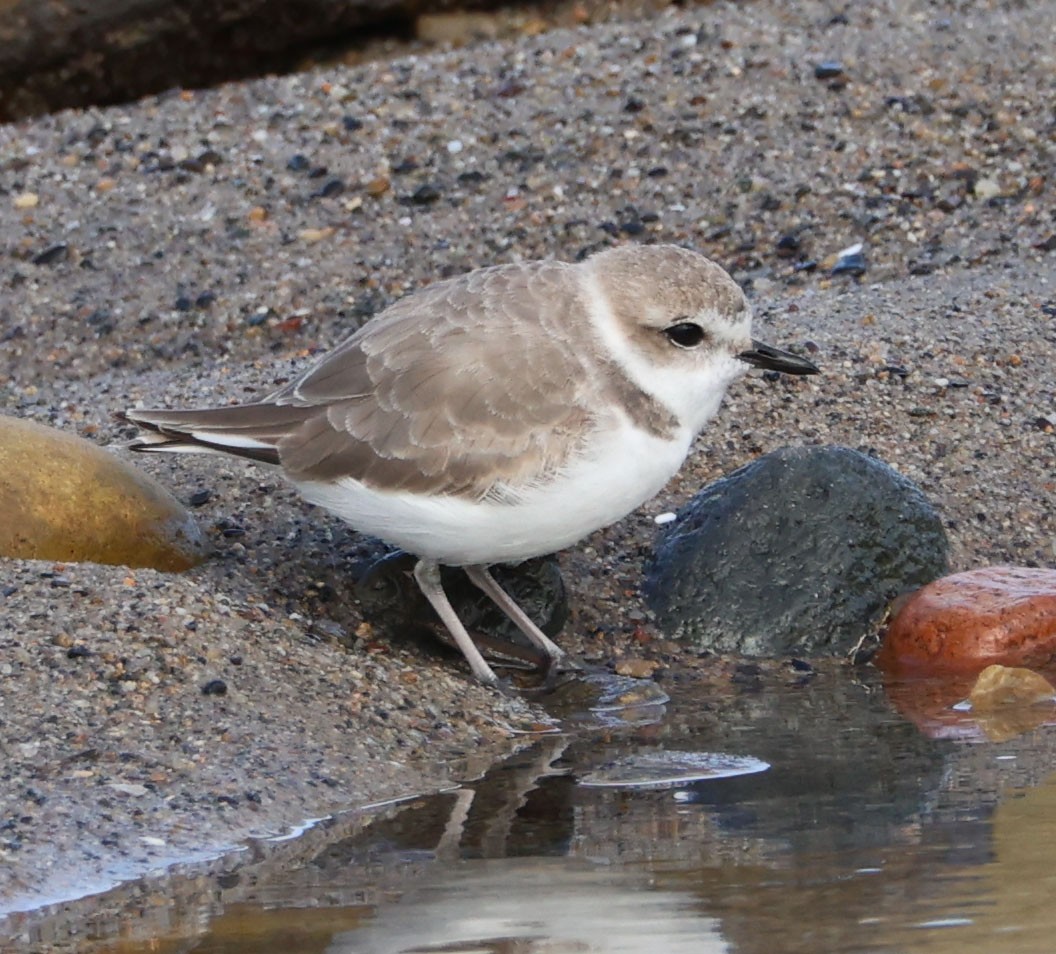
[685,334]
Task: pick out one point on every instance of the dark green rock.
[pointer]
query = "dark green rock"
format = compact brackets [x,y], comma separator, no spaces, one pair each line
[798,553]
[389,597]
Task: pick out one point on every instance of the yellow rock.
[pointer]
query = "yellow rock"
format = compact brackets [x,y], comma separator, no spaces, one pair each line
[999,687]
[637,668]
[63,498]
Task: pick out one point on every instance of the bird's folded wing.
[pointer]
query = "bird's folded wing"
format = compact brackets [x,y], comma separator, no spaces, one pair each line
[472,385]
[467,385]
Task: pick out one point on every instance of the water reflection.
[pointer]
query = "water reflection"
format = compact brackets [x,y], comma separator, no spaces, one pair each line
[529,905]
[865,835]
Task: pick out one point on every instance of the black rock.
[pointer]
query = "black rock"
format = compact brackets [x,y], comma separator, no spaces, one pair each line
[331,188]
[828,69]
[390,599]
[851,261]
[425,195]
[215,687]
[52,254]
[798,553]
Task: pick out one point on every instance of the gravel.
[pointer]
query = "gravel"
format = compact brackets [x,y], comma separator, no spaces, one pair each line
[203,245]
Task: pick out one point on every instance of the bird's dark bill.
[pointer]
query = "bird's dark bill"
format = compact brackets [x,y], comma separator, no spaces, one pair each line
[774,359]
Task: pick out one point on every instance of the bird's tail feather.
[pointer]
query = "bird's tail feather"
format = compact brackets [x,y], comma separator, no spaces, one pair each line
[246,430]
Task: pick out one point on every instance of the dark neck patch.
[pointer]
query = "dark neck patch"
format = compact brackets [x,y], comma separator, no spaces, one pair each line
[644,410]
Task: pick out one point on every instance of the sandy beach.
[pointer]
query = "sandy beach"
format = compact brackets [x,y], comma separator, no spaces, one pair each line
[201,246]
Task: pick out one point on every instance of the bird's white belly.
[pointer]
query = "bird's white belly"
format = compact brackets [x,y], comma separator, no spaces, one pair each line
[624,469]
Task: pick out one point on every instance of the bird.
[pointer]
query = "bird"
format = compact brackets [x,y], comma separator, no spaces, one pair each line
[502,414]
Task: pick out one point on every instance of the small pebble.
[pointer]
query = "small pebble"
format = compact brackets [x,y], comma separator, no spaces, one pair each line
[828,69]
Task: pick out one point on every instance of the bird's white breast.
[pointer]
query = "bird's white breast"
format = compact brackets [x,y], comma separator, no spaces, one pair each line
[620,468]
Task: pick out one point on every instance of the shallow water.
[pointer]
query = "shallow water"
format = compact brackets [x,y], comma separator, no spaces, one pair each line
[871,831]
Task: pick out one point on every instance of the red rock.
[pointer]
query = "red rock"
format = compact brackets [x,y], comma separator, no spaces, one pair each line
[930,704]
[968,621]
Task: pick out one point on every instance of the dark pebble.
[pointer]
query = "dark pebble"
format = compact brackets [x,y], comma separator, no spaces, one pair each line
[215,687]
[404,166]
[101,320]
[425,195]
[333,187]
[474,175]
[852,264]
[200,497]
[657,172]
[787,246]
[633,105]
[205,299]
[60,582]
[524,159]
[350,123]
[52,255]
[183,303]
[828,69]
[510,89]
[78,652]
[9,590]
[920,267]
[298,163]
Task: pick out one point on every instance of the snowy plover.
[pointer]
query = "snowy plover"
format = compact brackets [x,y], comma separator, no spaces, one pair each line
[503,414]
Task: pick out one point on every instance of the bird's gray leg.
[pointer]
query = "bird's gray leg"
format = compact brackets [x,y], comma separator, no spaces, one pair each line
[427,573]
[481,578]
